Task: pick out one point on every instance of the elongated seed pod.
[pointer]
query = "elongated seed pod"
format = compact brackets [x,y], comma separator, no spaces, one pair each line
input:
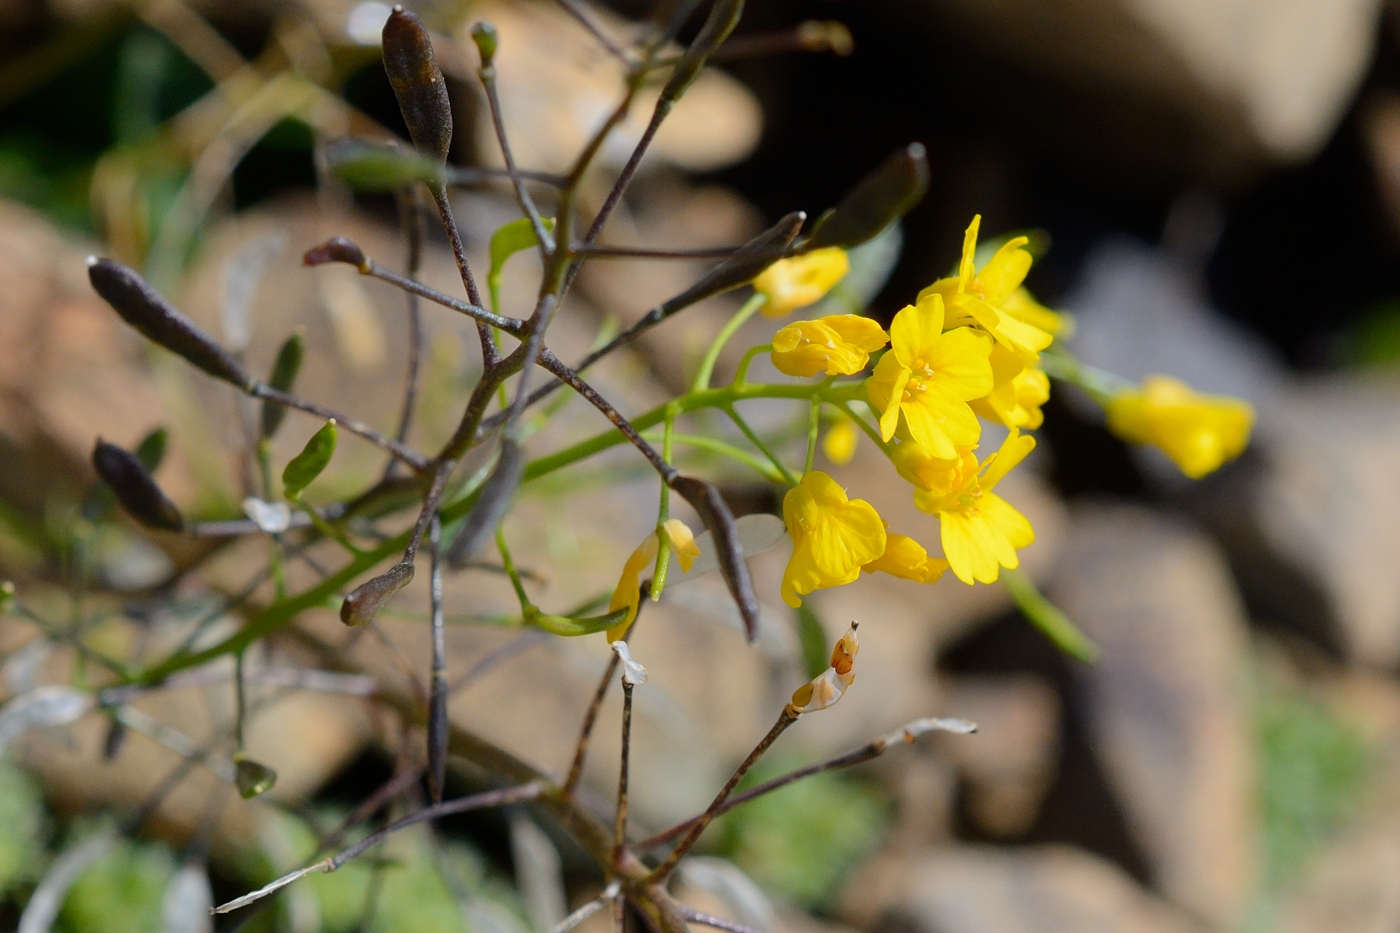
[418,84]
[143,308]
[876,201]
[714,512]
[491,505]
[364,603]
[134,488]
[724,16]
[743,266]
[283,376]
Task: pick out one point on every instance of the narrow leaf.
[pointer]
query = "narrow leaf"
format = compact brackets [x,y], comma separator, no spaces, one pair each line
[506,242]
[418,84]
[134,488]
[377,167]
[143,308]
[491,505]
[368,598]
[40,708]
[284,374]
[879,199]
[307,465]
[706,500]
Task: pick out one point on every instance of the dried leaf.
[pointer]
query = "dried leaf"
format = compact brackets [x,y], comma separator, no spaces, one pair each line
[365,601]
[878,200]
[284,374]
[707,501]
[54,705]
[418,84]
[134,488]
[307,465]
[144,309]
[491,505]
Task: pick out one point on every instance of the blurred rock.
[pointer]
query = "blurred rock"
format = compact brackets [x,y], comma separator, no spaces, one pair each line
[1380,125]
[975,889]
[1249,81]
[1008,766]
[1164,703]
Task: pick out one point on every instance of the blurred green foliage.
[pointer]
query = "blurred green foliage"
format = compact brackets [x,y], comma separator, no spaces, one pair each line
[22,839]
[1373,340]
[801,841]
[121,892]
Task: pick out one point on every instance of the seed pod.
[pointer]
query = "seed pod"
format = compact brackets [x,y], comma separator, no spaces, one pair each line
[303,469]
[878,200]
[283,375]
[252,777]
[134,488]
[706,500]
[418,84]
[369,597]
[367,166]
[744,265]
[724,16]
[337,249]
[144,309]
[486,39]
[491,505]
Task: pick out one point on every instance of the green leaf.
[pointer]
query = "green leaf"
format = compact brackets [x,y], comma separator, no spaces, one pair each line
[564,625]
[505,243]
[308,464]
[1047,617]
[284,373]
[151,450]
[816,653]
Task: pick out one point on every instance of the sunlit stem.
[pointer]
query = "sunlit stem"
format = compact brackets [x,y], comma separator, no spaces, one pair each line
[663,548]
[741,375]
[1099,384]
[870,431]
[509,564]
[707,364]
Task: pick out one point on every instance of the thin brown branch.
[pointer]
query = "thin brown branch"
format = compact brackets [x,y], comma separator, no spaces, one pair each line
[594,251]
[411,217]
[590,717]
[407,455]
[576,10]
[487,74]
[624,763]
[490,355]
[437,698]
[513,326]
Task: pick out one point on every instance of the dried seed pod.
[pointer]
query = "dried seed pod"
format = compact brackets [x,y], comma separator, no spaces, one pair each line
[143,308]
[706,500]
[878,200]
[252,777]
[743,266]
[337,249]
[418,84]
[724,16]
[284,373]
[491,505]
[134,488]
[368,598]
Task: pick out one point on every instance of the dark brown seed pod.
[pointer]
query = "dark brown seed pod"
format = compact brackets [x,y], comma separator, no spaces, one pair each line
[337,249]
[134,488]
[368,598]
[418,84]
[143,308]
[714,512]
[724,16]
[743,266]
[491,506]
[878,200]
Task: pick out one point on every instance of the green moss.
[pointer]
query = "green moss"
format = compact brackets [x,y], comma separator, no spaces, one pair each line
[801,841]
[22,816]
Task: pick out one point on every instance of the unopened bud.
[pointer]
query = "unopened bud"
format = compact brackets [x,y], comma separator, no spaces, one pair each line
[251,777]
[485,36]
[337,249]
[364,603]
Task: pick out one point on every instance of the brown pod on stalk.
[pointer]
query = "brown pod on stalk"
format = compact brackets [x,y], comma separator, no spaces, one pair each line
[337,249]
[134,488]
[743,266]
[368,598]
[143,308]
[877,200]
[714,512]
[418,84]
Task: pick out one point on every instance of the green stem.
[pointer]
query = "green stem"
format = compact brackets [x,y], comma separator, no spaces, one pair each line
[814,421]
[663,512]
[1101,385]
[763,448]
[707,365]
[865,426]
[1047,617]
[713,445]
[741,375]
[509,564]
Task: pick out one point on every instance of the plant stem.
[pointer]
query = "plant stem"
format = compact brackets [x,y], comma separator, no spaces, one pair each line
[707,364]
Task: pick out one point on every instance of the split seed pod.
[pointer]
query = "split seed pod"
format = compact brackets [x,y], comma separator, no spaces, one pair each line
[143,308]
[714,512]
[364,603]
[134,488]
[822,691]
[418,83]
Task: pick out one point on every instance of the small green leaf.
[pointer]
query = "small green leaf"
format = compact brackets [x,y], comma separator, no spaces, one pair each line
[366,166]
[252,777]
[284,373]
[151,450]
[564,625]
[308,464]
[505,243]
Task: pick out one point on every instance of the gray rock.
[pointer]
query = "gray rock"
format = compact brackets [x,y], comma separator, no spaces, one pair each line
[1165,704]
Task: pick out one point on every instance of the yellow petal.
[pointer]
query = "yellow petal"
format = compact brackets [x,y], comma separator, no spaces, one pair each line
[970,545]
[682,542]
[940,422]
[884,390]
[1013,450]
[840,442]
[966,265]
[904,557]
[798,281]
[857,330]
[1198,432]
[628,590]
[1009,522]
[833,536]
[838,345]
[960,360]
[1005,271]
[914,332]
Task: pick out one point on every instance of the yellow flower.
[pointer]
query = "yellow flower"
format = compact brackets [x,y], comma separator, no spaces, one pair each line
[1017,393]
[832,536]
[906,558]
[794,283]
[838,345]
[930,376]
[1199,432]
[927,472]
[839,445]
[981,531]
[979,296]
[1021,305]
[629,585]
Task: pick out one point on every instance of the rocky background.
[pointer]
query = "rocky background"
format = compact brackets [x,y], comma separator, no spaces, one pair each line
[1220,185]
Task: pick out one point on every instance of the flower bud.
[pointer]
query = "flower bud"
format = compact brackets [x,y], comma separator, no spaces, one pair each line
[364,603]
[251,777]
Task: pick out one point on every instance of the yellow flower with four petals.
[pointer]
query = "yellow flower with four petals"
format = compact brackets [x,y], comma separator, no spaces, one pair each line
[833,536]
[838,345]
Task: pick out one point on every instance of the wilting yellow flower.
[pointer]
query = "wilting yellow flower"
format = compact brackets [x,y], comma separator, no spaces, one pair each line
[981,531]
[1018,391]
[979,296]
[1199,432]
[838,345]
[794,283]
[629,585]
[832,536]
[930,376]
[907,558]
[822,691]
[840,441]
